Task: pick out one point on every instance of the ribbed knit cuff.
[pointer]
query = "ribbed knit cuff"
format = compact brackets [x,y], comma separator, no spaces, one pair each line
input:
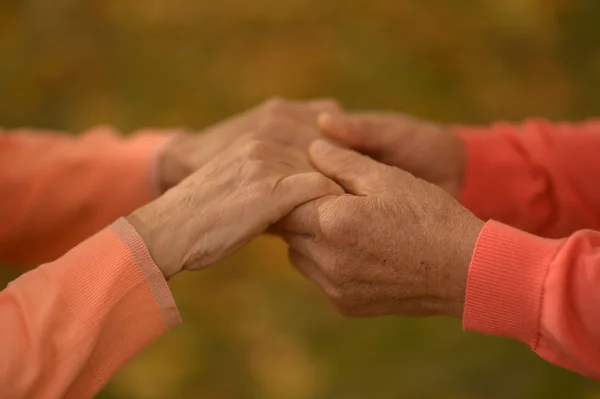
[505,283]
[154,277]
[117,299]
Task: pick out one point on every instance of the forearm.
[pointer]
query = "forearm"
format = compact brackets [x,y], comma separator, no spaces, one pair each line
[538,177]
[540,291]
[56,190]
[95,309]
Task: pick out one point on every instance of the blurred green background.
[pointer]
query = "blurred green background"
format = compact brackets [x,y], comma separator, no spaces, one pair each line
[252,327]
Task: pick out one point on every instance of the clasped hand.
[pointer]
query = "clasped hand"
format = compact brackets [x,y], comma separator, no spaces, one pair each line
[376,237]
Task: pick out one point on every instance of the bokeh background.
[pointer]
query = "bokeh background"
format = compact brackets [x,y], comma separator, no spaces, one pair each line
[253,328]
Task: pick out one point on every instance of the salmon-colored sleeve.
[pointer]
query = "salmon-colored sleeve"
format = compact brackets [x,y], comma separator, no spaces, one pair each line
[538,176]
[543,292]
[68,326]
[542,178]
[57,189]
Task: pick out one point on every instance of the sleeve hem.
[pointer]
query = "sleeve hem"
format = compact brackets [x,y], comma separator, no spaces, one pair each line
[505,283]
[152,274]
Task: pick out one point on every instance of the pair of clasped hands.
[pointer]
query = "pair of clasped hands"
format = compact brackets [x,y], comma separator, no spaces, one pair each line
[366,202]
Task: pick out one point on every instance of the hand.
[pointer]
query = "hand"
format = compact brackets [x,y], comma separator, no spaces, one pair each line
[395,245]
[428,150]
[287,122]
[228,202]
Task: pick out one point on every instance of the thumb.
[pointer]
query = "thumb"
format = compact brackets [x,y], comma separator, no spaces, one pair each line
[356,173]
[362,132]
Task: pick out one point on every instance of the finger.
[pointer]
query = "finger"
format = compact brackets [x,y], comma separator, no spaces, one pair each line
[305,219]
[292,156]
[295,190]
[308,268]
[346,129]
[365,132]
[356,173]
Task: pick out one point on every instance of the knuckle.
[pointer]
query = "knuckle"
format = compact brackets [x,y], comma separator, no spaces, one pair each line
[255,148]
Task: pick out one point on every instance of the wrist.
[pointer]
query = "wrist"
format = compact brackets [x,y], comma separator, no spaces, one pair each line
[466,237]
[507,276]
[151,226]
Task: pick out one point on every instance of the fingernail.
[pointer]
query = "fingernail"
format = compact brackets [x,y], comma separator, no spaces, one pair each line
[321,147]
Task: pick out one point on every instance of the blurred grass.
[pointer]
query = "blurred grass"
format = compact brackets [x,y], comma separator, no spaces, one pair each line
[253,328]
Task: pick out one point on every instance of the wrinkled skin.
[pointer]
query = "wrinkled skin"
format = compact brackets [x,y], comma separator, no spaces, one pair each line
[394,245]
[225,204]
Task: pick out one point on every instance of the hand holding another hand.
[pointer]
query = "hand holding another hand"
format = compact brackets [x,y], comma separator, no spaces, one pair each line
[231,200]
[428,150]
[394,245]
[293,123]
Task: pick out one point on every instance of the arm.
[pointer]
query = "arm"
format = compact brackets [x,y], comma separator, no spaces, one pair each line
[70,325]
[56,190]
[540,291]
[538,177]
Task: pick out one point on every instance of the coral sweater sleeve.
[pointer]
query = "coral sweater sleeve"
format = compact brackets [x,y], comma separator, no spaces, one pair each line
[545,292]
[538,177]
[57,189]
[68,326]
